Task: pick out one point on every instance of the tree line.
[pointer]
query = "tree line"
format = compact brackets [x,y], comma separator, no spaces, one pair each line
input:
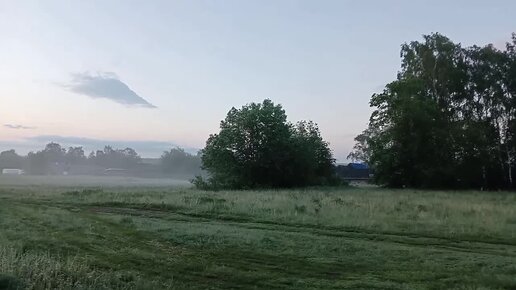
[55,159]
[447,121]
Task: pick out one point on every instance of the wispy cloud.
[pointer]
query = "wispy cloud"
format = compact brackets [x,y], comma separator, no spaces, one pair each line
[106,86]
[18,127]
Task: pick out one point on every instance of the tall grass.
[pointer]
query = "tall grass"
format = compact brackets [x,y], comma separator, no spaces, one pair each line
[29,270]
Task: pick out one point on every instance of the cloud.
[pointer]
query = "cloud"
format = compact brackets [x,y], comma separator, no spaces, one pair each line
[18,127]
[106,86]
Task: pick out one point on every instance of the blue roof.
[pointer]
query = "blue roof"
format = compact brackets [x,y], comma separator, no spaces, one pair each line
[358,165]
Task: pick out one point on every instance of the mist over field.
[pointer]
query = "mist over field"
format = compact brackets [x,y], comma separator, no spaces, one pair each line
[54,160]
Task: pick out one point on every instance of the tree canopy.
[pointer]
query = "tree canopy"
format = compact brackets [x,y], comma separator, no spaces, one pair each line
[448,120]
[54,159]
[178,162]
[258,147]
[10,159]
[118,158]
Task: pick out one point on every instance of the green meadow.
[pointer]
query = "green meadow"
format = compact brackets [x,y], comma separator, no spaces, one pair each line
[176,237]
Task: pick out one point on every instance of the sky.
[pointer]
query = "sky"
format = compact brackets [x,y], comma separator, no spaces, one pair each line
[157,74]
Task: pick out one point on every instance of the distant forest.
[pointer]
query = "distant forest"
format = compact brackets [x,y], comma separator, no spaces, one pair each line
[54,159]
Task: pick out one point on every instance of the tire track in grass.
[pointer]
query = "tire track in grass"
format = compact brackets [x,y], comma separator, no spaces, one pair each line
[238,269]
[160,209]
[446,280]
[468,246]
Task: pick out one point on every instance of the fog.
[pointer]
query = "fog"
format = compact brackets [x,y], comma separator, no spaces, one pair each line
[117,166]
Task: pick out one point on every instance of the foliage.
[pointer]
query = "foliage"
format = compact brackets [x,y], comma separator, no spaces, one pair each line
[75,156]
[10,159]
[178,162]
[48,160]
[448,120]
[361,151]
[115,158]
[312,162]
[257,147]
[54,159]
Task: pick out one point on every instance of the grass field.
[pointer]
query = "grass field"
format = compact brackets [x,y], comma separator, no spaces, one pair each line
[330,238]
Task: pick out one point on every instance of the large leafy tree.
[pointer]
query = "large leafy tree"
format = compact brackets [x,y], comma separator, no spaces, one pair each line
[448,119]
[258,147]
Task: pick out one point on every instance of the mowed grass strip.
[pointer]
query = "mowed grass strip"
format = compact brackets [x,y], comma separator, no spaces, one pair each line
[462,215]
[308,239]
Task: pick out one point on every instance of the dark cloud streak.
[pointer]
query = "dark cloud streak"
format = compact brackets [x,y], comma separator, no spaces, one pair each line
[106,86]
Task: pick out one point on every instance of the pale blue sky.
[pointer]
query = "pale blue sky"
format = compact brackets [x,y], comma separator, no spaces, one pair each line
[194,60]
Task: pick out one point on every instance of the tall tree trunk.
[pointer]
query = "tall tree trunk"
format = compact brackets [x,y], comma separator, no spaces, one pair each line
[509,164]
[500,153]
[484,186]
